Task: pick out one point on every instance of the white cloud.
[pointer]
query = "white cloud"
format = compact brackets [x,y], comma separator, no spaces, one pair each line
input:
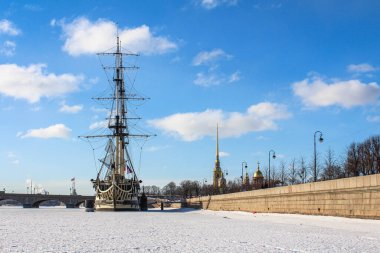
[33,7]
[99,124]
[214,78]
[54,131]
[7,27]
[223,154]
[196,125]
[211,4]
[53,22]
[234,77]
[15,162]
[205,58]
[317,93]
[361,68]
[33,82]
[13,158]
[208,79]
[8,48]
[99,110]
[85,37]
[11,155]
[70,109]
[94,80]
[373,118]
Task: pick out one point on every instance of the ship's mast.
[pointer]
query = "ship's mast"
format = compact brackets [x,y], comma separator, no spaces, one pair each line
[118,121]
[120,111]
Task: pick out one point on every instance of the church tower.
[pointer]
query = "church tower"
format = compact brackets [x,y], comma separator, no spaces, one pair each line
[258,178]
[218,178]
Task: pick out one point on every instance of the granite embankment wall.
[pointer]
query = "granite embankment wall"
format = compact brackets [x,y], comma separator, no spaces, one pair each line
[349,197]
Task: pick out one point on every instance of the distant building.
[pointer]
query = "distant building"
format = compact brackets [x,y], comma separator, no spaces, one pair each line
[258,178]
[219,182]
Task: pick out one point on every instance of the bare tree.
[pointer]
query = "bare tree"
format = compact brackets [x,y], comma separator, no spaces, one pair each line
[266,177]
[274,177]
[331,169]
[302,170]
[233,185]
[351,165]
[207,189]
[169,189]
[185,188]
[283,174]
[375,146]
[292,172]
[155,190]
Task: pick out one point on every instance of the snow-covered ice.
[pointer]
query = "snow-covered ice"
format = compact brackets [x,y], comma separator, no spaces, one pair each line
[183,230]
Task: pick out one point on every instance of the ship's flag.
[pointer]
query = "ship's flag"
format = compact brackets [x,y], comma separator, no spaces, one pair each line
[129,170]
[73,179]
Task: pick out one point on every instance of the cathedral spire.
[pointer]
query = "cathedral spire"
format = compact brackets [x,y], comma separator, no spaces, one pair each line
[219,181]
[217,142]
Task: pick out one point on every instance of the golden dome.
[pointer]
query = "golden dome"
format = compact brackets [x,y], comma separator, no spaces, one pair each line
[258,174]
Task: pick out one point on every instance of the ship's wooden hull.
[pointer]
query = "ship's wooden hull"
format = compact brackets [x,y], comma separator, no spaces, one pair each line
[117,207]
[116,199]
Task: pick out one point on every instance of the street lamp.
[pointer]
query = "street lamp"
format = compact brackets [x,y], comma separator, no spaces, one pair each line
[203,186]
[315,153]
[274,157]
[243,165]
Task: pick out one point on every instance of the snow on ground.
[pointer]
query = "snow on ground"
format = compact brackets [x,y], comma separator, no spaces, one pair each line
[181,230]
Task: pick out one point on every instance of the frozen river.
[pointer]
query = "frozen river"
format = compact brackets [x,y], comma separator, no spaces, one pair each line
[185,230]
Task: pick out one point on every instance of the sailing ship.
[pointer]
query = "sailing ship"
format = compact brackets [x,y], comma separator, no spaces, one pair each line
[117,185]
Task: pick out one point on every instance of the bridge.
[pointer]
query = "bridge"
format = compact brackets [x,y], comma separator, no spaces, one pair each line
[34,200]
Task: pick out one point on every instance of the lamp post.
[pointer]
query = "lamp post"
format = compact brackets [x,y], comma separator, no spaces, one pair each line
[203,186]
[315,153]
[243,165]
[274,157]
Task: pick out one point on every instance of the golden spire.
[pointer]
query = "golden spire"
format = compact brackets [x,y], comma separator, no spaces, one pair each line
[217,142]
[217,162]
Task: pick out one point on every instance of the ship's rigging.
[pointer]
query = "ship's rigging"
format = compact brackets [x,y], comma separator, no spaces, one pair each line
[117,185]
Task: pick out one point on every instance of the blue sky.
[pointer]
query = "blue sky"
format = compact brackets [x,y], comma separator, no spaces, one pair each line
[270,73]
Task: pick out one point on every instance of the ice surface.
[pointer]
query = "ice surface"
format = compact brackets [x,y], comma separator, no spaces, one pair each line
[184,230]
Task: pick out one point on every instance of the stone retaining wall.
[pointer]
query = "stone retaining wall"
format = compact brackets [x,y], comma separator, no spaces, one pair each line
[349,197]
